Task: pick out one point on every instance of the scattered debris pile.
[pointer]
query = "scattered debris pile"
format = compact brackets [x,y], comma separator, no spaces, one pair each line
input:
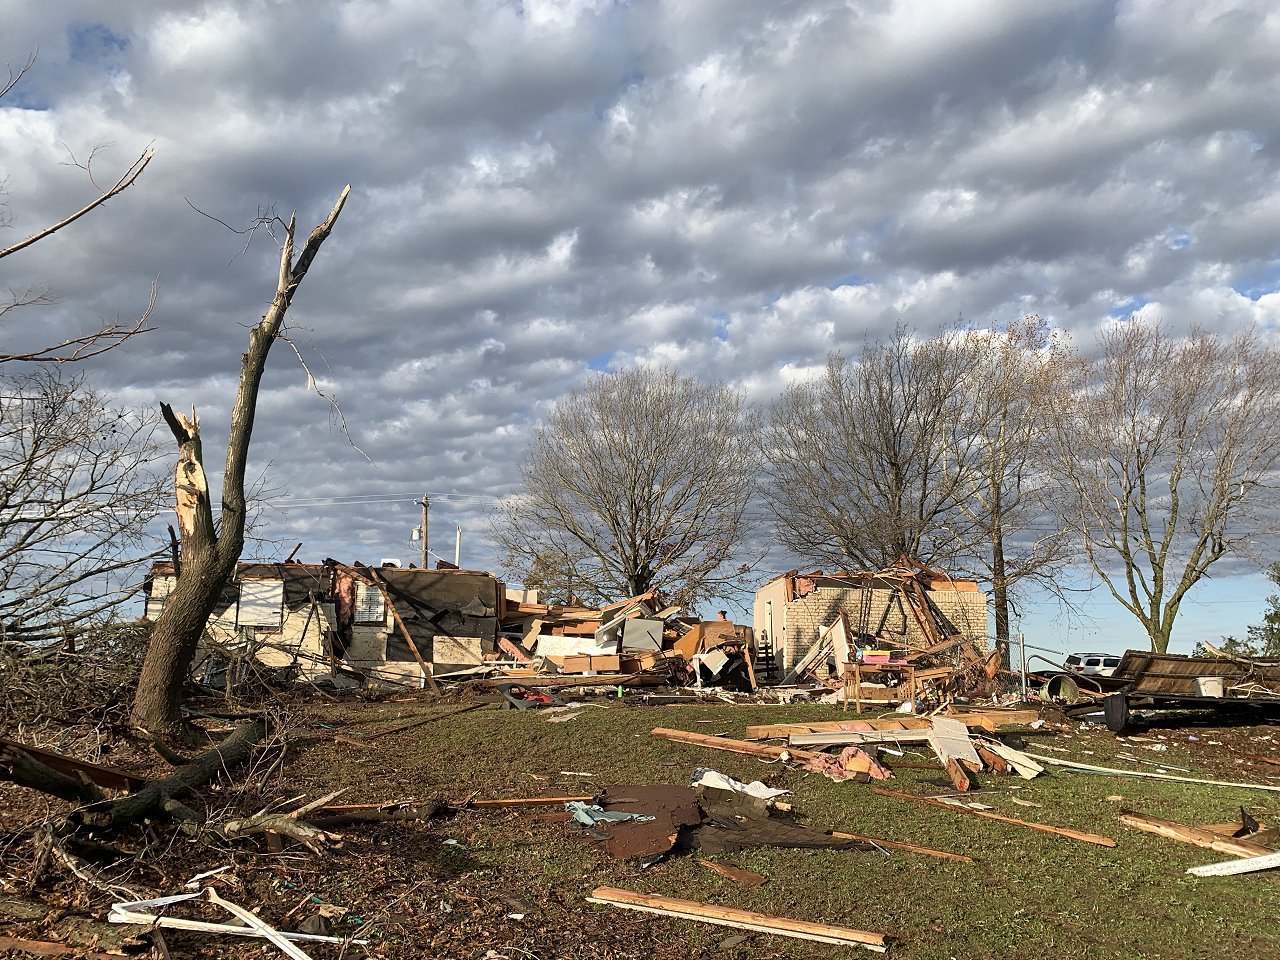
[638,641]
[897,645]
[1219,682]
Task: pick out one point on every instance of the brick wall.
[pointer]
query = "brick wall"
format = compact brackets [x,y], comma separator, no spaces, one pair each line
[805,616]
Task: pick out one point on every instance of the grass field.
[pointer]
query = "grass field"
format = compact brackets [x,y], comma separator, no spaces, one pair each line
[1026,894]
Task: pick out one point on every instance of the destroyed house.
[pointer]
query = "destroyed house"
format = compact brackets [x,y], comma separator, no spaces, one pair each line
[383,623]
[905,607]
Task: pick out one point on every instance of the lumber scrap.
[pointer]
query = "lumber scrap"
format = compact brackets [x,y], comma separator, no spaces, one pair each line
[845,737]
[1249,865]
[741,919]
[957,774]
[771,731]
[48,948]
[1092,768]
[989,718]
[426,668]
[1080,835]
[734,746]
[1022,764]
[748,878]
[905,847]
[1193,835]
[421,721]
[993,761]
[1259,758]
[548,681]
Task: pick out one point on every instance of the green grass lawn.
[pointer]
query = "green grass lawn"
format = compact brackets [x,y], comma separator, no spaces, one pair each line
[1027,894]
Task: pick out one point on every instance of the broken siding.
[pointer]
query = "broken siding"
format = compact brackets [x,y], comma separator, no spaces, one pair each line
[452,615]
[290,614]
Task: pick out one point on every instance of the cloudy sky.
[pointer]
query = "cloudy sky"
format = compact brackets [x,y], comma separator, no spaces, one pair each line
[543,189]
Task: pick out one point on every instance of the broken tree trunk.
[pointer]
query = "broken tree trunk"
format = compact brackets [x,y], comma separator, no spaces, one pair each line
[210,549]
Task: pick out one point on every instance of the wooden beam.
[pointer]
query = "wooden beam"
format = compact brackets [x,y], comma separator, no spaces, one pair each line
[381,584]
[747,878]
[734,746]
[1194,835]
[531,801]
[424,720]
[770,731]
[741,919]
[1000,818]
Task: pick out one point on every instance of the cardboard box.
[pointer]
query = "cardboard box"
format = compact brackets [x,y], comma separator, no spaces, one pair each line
[635,663]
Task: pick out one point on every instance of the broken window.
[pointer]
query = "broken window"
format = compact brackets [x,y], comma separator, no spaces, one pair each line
[370,606]
[261,604]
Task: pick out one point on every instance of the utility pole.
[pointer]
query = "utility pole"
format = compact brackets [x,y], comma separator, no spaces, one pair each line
[425,504]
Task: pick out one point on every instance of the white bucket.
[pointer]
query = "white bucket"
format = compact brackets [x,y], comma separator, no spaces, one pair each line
[1209,687]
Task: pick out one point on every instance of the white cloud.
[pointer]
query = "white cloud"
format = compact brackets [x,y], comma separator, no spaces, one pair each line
[545,188]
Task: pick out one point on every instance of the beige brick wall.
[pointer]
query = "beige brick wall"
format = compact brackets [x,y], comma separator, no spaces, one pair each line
[804,617]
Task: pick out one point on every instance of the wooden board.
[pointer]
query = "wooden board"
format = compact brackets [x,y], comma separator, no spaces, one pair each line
[1193,835]
[741,919]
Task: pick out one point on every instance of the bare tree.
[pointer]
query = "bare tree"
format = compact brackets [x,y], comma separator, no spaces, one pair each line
[110,334]
[861,460]
[76,490]
[210,547]
[1168,447]
[640,480]
[1013,376]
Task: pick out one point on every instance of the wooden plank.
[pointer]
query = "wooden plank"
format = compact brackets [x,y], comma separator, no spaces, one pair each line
[741,919]
[1259,758]
[845,737]
[1073,765]
[989,718]
[381,584]
[1194,835]
[46,948]
[907,847]
[1231,867]
[1025,767]
[1000,818]
[957,774]
[733,746]
[993,761]
[423,720]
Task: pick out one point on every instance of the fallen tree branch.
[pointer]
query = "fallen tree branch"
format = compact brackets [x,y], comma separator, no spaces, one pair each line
[284,824]
[158,797]
[20,767]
